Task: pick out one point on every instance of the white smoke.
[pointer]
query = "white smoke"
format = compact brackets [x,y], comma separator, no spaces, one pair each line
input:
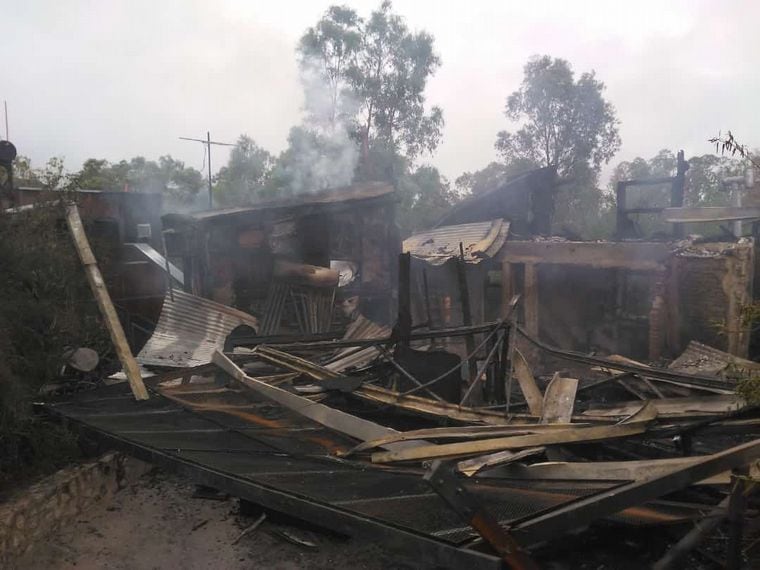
[323,154]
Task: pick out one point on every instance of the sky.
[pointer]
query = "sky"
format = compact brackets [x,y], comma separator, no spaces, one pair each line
[115,79]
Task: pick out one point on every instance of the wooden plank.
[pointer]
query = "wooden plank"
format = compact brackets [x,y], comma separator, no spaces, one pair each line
[528,385]
[103,299]
[711,214]
[641,256]
[607,470]
[675,407]
[472,466]
[463,432]
[559,400]
[582,512]
[435,409]
[337,420]
[574,435]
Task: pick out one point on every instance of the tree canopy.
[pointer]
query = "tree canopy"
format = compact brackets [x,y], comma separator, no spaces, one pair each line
[564,123]
[245,178]
[178,183]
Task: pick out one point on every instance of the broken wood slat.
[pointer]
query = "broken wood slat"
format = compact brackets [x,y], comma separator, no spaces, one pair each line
[337,420]
[426,406]
[559,400]
[606,470]
[464,299]
[472,466]
[464,432]
[575,435]
[675,407]
[295,363]
[527,382]
[99,290]
[582,512]
[698,214]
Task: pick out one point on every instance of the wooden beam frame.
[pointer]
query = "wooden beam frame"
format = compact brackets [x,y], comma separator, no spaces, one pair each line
[636,256]
[584,511]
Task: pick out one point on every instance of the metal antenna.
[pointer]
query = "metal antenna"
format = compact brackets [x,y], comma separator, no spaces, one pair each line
[5,104]
[208,142]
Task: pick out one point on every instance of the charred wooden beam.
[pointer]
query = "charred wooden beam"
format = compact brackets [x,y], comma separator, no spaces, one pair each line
[584,511]
[639,256]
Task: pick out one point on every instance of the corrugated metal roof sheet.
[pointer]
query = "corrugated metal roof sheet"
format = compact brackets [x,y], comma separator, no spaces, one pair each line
[355,192]
[189,330]
[156,257]
[361,328]
[703,360]
[480,240]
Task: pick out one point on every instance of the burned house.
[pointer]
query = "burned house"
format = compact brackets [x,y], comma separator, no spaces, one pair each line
[355,431]
[635,296]
[286,260]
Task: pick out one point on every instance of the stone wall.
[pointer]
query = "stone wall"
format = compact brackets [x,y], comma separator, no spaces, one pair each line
[58,499]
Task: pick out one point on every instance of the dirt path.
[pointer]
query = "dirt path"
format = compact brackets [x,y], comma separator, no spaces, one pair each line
[151,526]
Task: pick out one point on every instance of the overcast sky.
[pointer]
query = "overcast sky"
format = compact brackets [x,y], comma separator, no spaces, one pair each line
[114,79]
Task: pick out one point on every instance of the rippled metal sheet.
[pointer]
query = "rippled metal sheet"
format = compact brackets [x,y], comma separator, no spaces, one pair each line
[700,359]
[159,260]
[189,330]
[348,358]
[480,240]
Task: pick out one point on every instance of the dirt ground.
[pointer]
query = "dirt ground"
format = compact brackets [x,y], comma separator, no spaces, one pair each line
[157,524]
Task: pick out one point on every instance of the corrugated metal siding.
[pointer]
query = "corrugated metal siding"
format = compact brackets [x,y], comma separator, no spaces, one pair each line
[189,330]
[361,328]
[480,240]
[704,360]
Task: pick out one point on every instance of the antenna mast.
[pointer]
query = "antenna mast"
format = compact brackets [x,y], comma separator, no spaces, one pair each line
[208,142]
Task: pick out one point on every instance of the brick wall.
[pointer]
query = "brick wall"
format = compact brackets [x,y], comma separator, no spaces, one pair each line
[57,500]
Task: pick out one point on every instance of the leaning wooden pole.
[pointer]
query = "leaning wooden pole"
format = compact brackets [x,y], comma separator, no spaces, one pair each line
[105,304]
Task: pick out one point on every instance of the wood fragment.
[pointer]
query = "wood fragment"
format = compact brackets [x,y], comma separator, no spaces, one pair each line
[579,513]
[559,400]
[472,466]
[464,432]
[103,299]
[530,390]
[293,539]
[574,435]
[675,407]
[607,470]
[251,528]
[200,525]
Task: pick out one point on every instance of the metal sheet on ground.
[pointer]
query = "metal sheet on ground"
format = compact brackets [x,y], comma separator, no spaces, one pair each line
[282,462]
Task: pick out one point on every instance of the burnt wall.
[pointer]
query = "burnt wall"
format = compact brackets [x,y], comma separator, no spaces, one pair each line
[713,284]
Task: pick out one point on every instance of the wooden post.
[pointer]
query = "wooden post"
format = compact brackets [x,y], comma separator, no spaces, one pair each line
[404,297]
[105,305]
[464,299]
[530,292]
[426,292]
[507,287]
